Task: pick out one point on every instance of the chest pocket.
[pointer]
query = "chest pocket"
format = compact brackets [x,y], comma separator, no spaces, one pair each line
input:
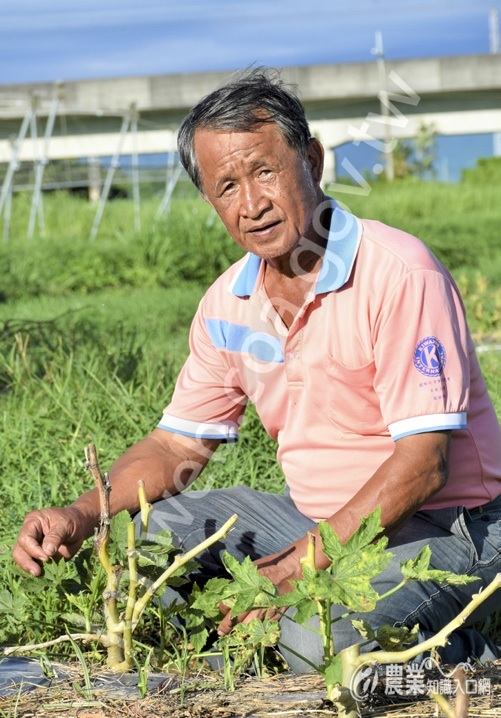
[353,403]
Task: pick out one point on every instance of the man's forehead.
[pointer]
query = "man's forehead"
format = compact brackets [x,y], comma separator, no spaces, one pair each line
[213,144]
[209,134]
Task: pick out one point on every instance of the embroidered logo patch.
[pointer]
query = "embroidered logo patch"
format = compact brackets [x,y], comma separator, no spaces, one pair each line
[430,357]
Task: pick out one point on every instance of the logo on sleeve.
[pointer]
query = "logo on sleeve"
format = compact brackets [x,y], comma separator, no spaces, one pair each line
[430,357]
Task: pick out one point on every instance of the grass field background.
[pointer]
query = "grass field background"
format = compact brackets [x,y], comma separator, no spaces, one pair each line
[93,334]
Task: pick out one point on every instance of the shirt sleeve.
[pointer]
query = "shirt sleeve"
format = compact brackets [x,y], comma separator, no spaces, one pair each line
[421,354]
[208,402]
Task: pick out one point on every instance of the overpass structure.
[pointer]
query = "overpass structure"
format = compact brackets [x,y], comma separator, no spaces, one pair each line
[364,102]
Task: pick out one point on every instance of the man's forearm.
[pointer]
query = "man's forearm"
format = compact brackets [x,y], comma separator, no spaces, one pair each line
[166,464]
[402,484]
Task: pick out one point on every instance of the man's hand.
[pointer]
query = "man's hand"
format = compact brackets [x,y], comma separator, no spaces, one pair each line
[49,534]
[281,568]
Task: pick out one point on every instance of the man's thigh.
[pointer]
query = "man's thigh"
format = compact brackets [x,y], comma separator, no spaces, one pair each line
[266,523]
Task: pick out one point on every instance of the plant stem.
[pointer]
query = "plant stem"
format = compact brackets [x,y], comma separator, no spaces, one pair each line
[444,705]
[341,695]
[87,637]
[132,597]
[179,561]
[439,639]
[110,595]
[145,508]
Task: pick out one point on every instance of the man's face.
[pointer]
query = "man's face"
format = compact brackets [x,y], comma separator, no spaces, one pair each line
[264,193]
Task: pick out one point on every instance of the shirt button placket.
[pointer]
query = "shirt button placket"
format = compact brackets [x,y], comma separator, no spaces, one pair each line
[293,359]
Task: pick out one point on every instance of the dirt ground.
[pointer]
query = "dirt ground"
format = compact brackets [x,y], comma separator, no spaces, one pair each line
[203,697]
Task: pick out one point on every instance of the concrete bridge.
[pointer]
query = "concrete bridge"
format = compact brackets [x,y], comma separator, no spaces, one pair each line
[140,115]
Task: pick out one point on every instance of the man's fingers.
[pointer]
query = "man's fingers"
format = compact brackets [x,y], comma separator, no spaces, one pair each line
[29,541]
[26,562]
[226,625]
[38,542]
[224,608]
[53,540]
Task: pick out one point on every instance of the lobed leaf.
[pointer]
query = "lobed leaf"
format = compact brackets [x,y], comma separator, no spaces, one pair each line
[333,671]
[393,638]
[417,569]
[364,629]
[208,599]
[249,588]
[119,527]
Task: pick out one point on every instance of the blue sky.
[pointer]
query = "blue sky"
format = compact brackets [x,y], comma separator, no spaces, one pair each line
[74,39]
[48,40]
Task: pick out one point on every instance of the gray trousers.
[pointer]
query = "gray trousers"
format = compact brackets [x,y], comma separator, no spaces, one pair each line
[461,540]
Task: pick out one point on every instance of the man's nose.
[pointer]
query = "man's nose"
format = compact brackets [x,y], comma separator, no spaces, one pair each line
[253,201]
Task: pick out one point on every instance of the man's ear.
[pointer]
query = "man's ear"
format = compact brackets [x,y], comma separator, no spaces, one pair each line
[315,156]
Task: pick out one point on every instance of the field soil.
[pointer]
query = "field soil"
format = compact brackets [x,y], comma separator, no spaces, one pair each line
[203,697]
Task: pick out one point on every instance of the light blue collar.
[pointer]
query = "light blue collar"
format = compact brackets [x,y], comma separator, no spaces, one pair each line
[342,244]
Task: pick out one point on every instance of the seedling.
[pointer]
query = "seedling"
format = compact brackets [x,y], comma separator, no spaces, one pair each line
[119,625]
[347,583]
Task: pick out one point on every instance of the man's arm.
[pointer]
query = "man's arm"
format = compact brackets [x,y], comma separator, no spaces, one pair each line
[417,469]
[166,462]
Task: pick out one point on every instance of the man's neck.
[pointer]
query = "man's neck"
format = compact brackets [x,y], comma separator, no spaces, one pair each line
[305,260]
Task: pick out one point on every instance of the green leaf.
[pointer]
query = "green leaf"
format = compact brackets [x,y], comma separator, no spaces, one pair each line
[253,635]
[195,621]
[118,537]
[369,528]
[356,563]
[392,638]
[160,545]
[300,598]
[364,629]
[261,632]
[333,671]
[210,597]
[305,610]
[74,619]
[417,569]
[13,605]
[249,589]
[119,527]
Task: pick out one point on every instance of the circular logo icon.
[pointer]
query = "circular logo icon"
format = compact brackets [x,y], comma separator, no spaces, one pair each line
[364,681]
[430,357]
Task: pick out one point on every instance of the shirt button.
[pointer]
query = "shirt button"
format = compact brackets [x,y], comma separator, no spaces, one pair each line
[291,356]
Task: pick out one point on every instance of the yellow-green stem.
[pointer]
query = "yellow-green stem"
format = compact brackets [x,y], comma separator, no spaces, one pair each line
[444,705]
[132,596]
[179,561]
[145,508]
[341,695]
[439,639]
[101,541]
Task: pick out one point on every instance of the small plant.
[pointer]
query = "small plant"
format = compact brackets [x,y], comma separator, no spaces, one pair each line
[160,563]
[345,582]
[129,578]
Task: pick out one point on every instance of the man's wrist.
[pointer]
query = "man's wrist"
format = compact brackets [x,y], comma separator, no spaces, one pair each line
[87,515]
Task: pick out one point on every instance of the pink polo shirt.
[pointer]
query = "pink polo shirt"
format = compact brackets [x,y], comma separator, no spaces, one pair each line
[379,350]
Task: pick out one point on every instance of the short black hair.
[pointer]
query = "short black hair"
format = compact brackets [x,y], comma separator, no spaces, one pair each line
[251,98]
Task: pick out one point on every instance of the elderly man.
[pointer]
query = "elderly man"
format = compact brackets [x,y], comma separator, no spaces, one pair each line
[351,340]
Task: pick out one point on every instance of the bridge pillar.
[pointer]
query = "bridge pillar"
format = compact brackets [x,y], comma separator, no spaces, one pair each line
[94,175]
[329,166]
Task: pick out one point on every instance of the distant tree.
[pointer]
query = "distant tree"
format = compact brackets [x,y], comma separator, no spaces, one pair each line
[403,152]
[425,150]
[416,157]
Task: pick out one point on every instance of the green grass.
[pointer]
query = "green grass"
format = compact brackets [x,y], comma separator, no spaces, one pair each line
[93,334]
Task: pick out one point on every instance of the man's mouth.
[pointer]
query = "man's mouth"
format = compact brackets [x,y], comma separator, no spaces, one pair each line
[263,229]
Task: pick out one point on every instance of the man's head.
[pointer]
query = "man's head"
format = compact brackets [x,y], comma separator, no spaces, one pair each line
[248,148]
[248,101]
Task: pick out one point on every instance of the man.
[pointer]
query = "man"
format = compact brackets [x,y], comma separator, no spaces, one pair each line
[351,340]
